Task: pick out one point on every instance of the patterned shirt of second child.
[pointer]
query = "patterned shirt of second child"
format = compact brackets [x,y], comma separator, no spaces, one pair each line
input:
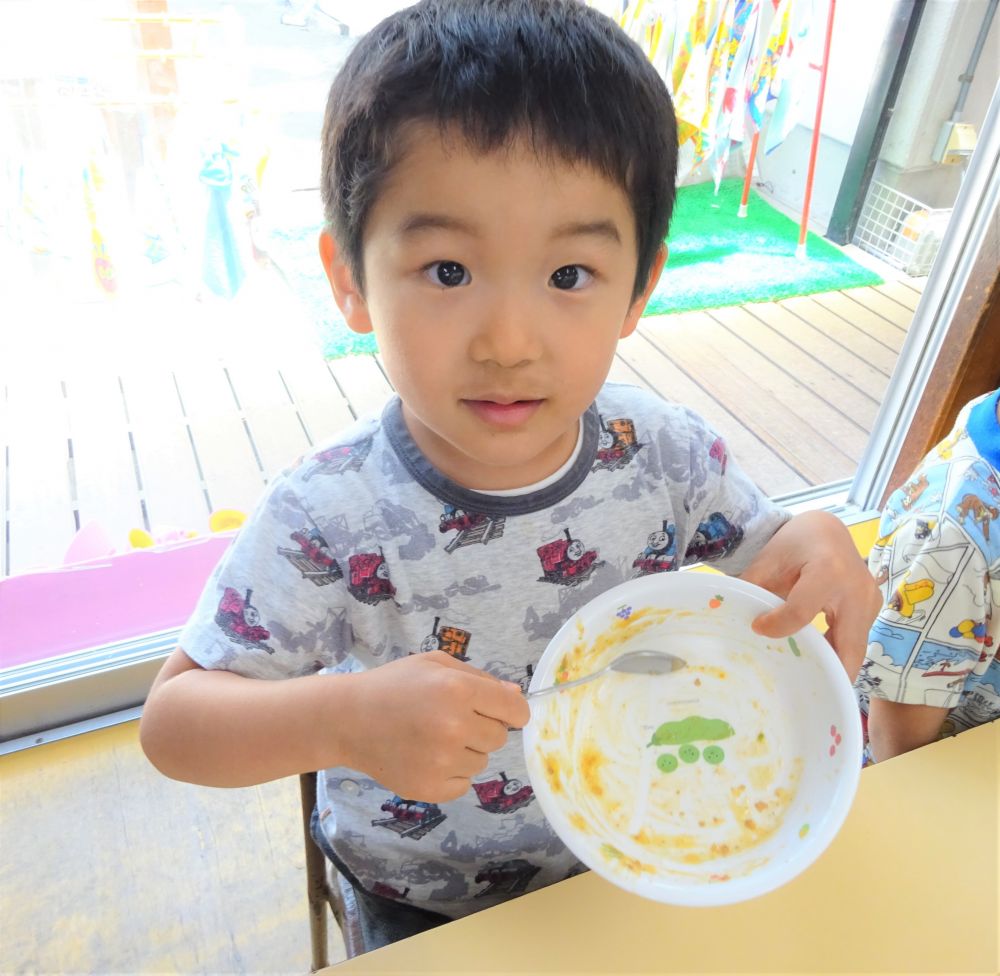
[364,554]
[937,560]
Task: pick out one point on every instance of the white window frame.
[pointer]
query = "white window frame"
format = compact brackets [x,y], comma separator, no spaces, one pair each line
[977,210]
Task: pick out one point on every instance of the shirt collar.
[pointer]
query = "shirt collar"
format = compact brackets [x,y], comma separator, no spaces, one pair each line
[425,474]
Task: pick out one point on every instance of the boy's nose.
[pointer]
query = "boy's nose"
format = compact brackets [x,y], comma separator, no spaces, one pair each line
[508,335]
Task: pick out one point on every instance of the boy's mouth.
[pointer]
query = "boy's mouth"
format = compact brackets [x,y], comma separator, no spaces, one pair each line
[503,414]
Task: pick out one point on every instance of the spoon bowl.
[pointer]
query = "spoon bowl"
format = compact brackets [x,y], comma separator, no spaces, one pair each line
[631,662]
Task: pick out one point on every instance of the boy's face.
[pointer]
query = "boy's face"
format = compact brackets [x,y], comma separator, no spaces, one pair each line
[498,286]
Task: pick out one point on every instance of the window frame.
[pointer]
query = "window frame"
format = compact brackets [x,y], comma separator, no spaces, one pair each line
[952,349]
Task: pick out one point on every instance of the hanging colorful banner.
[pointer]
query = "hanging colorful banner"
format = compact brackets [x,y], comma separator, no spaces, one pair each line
[729,78]
[790,77]
[741,60]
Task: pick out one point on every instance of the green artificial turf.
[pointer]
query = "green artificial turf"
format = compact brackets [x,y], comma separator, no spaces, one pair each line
[716,259]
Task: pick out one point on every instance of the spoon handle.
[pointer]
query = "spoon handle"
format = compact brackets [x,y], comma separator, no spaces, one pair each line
[565,684]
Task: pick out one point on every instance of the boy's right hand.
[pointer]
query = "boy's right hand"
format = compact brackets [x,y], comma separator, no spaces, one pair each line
[424,725]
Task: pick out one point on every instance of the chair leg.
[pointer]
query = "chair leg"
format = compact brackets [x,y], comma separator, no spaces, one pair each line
[315,877]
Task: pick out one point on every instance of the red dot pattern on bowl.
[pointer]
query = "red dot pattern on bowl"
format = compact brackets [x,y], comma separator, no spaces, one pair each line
[837,739]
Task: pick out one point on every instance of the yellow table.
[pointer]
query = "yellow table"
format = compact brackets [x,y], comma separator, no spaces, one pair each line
[909,885]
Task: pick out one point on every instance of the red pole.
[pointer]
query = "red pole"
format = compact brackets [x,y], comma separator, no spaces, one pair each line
[800,251]
[742,212]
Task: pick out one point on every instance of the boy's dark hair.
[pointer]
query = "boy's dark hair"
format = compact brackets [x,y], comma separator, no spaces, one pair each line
[555,71]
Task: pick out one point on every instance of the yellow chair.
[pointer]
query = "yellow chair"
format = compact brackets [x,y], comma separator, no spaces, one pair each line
[326,888]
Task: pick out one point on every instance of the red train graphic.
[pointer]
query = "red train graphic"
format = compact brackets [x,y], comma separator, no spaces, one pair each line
[387,891]
[240,620]
[503,795]
[370,577]
[337,460]
[472,527]
[457,519]
[617,444]
[714,538]
[717,452]
[313,558]
[506,877]
[452,640]
[410,818]
[566,561]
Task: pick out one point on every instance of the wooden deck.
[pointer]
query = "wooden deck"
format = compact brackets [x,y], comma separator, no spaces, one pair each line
[146,413]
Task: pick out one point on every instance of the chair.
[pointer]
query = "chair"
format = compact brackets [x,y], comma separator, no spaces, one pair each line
[326,887]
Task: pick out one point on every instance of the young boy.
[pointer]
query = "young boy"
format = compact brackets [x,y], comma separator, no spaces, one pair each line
[932,667]
[498,180]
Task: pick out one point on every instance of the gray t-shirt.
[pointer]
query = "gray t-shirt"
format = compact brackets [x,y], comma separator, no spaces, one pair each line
[363,553]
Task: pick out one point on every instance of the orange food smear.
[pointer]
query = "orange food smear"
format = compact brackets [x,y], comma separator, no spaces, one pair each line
[591,761]
[582,656]
[552,773]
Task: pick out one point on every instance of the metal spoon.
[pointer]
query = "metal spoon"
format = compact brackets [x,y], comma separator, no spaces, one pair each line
[631,662]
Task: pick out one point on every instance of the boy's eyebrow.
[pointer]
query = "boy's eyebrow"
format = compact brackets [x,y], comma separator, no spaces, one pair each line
[594,228]
[417,222]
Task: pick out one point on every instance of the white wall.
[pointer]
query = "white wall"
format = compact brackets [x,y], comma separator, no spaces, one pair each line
[930,88]
[941,53]
[859,27]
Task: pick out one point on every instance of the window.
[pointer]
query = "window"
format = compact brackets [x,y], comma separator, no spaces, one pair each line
[159,202]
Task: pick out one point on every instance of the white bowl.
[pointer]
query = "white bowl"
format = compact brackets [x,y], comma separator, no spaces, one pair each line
[705,803]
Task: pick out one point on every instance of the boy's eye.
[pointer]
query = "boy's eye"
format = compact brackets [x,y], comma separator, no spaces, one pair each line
[570,277]
[451,274]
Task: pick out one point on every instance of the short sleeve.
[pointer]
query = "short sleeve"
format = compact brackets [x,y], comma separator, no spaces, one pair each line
[926,644]
[275,606]
[730,518]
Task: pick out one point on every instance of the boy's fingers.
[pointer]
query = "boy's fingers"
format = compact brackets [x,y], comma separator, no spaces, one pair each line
[441,657]
[446,660]
[849,638]
[470,763]
[847,634]
[784,620]
[493,698]
[486,735]
[806,598]
[502,701]
[454,788]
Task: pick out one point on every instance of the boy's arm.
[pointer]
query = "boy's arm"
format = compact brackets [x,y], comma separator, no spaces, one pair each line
[217,728]
[898,727]
[813,564]
[423,725]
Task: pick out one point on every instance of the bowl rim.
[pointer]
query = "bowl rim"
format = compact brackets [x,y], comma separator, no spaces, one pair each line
[778,872]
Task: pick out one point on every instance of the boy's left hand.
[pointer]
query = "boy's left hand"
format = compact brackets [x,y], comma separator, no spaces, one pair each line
[813,564]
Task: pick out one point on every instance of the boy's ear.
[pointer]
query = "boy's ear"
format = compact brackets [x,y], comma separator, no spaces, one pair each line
[635,309]
[346,293]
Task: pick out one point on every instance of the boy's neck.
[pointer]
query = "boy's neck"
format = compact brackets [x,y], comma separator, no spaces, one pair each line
[468,473]
[544,481]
